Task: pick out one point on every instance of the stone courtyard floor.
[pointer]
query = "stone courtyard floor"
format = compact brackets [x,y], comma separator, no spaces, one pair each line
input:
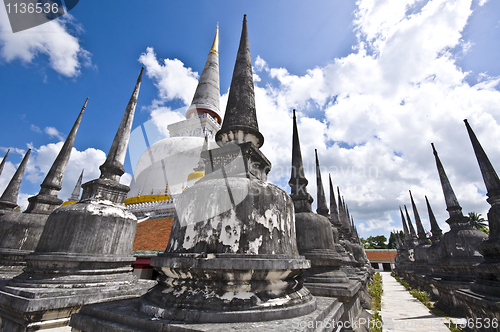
[402,312]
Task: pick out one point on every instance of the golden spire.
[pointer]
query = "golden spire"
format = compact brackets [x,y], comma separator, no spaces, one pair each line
[166,188]
[215,46]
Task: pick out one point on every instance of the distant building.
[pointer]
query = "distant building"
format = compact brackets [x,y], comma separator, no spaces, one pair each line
[381,259]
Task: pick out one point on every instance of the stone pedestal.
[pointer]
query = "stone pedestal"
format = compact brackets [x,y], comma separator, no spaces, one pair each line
[124,316]
[232,247]
[19,237]
[84,256]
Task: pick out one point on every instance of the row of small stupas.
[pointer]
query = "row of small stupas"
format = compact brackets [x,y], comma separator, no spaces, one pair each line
[241,249]
[460,268]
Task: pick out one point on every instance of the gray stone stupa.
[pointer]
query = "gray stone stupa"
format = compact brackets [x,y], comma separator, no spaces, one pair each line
[334,213]
[413,234]
[434,252]
[459,249]
[20,232]
[8,200]
[75,195]
[420,264]
[406,255]
[483,299]
[347,258]
[232,226]
[315,238]
[3,161]
[84,254]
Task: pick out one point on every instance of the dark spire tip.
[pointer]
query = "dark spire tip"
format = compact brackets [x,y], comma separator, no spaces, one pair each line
[140,75]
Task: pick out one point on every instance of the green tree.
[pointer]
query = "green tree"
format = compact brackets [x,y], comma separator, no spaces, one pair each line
[478,222]
[375,242]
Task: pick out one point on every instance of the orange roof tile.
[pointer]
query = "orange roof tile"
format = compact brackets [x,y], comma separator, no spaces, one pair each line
[381,255]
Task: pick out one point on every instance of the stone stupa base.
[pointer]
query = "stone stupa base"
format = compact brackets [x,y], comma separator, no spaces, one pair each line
[221,288]
[34,300]
[33,309]
[483,308]
[125,316]
[11,262]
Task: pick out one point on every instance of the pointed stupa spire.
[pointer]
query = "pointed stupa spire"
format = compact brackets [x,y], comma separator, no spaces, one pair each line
[490,177]
[322,207]
[435,230]
[334,212]
[398,240]
[207,95]
[405,228]
[3,161]
[422,237]
[46,201]
[75,196]
[112,169]
[410,225]
[343,216]
[215,45]
[240,120]
[452,206]
[339,199]
[8,201]
[298,183]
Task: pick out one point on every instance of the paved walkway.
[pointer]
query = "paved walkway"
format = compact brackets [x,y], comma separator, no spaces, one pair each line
[402,312]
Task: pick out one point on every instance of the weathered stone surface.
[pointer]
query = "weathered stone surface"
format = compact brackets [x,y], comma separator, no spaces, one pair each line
[240,120]
[232,247]
[8,200]
[124,316]
[19,237]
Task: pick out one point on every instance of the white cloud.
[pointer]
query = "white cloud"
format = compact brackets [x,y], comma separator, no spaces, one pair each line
[52,39]
[126,178]
[173,80]
[36,129]
[53,132]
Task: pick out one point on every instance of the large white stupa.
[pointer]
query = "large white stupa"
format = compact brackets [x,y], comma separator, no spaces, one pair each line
[170,165]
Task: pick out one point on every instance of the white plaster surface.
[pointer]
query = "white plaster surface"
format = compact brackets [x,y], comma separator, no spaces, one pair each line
[402,312]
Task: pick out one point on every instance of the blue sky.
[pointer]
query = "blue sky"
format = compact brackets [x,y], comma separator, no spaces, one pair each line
[374,83]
